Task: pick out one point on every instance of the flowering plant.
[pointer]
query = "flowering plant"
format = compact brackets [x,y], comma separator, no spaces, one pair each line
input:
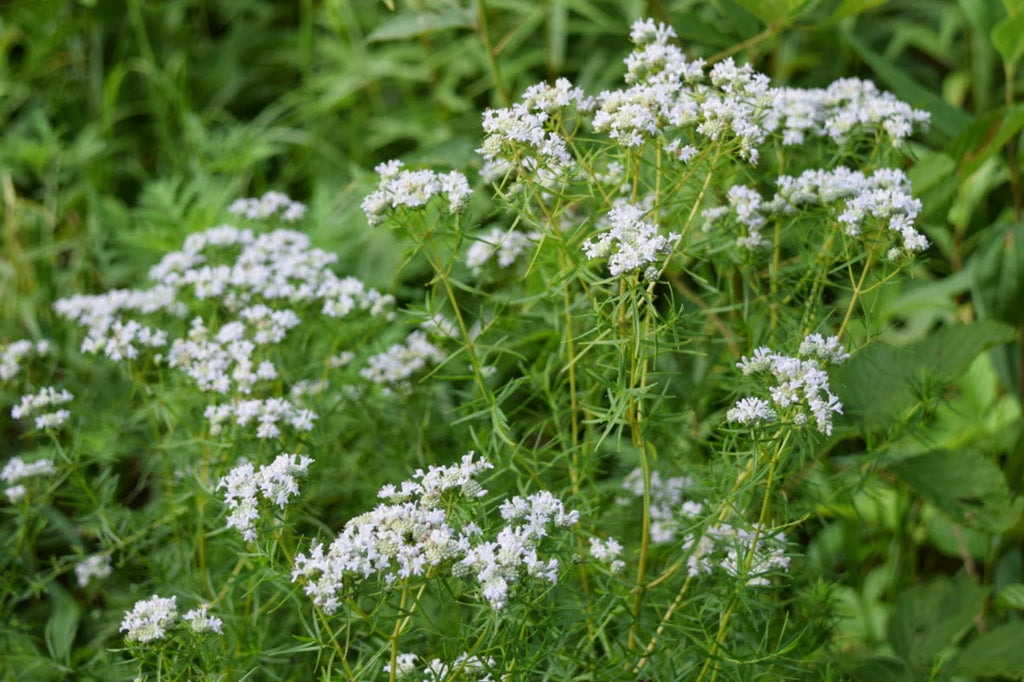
[598,427]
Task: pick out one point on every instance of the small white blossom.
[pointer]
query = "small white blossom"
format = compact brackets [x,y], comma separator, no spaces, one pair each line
[630,244]
[201,621]
[149,619]
[799,382]
[413,189]
[399,362]
[12,354]
[267,206]
[275,482]
[95,567]
[504,246]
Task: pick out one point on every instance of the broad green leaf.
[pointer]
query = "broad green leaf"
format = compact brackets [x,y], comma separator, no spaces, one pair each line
[997,274]
[1011,596]
[953,539]
[965,485]
[412,24]
[928,618]
[881,381]
[774,11]
[62,625]
[946,118]
[930,170]
[880,668]
[996,653]
[1008,38]
[851,8]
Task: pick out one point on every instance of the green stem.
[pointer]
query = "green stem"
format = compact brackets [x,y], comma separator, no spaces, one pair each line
[492,60]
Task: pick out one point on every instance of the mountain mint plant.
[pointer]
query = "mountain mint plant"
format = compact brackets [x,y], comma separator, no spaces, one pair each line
[632,308]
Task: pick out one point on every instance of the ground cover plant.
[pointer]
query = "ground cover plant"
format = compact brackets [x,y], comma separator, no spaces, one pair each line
[466,355]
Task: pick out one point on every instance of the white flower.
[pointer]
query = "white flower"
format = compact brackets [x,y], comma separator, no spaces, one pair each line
[630,244]
[799,381]
[201,621]
[401,361]
[266,206]
[413,189]
[505,246]
[95,567]
[274,482]
[751,412]
[14,352]
[17,469]
[149,619]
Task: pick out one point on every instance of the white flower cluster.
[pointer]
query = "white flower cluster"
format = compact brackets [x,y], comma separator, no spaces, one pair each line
[666,502]
[18,469]
[413,532]
[413,189]
[842,110]
[200,620]
[399,362]
[851,197]
[801,385]
[266,282]
[608,552]
[95,567]
[666,90]
[672,96]
[268,413]
[266,206]
[13,353]
[630,243]
[436,669]
[504,246]
[274,482]
[38,404]
[519,137]
[499,563]
[150,619]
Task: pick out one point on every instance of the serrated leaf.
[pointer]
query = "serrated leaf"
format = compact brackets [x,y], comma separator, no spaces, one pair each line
[928,618]
[881,381]
[964,485]
[996,653]
[1011,596]
[414,24]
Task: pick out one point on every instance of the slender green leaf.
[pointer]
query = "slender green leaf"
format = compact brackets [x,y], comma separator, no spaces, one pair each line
[413,24]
